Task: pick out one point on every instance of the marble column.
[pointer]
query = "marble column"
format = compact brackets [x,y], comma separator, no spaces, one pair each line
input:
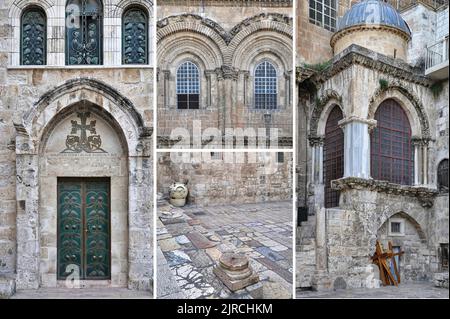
[357,146]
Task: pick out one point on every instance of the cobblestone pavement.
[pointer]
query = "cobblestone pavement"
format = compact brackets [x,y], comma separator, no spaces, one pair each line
[192,239]
[403,291]
[91,293]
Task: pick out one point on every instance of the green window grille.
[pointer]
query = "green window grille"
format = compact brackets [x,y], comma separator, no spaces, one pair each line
[84,32]
[33,37]
[135,36]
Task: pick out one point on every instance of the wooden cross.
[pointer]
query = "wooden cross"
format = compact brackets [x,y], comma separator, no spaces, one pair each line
[381,258]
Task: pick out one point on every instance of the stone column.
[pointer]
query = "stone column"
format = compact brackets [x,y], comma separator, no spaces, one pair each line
[357,146]
[316,184]
[166,80]
[140,219]
[227,77]
[417,155]
[27,220]
[425,161]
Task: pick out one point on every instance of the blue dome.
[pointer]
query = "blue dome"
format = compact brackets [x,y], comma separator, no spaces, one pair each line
[373,12]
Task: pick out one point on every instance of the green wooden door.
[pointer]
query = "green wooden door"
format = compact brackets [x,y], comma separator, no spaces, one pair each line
[84,228]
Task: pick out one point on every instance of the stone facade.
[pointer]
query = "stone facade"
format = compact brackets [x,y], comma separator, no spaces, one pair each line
[226,41]
[334,244]
[37,106]
[250,178]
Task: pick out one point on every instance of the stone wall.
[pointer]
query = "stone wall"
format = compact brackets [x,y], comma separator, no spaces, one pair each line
[220,182]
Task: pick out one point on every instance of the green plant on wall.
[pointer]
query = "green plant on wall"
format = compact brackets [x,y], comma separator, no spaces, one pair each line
[383,84]
[319,67]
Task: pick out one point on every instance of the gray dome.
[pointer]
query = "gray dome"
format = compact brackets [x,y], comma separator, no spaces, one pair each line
[374,12]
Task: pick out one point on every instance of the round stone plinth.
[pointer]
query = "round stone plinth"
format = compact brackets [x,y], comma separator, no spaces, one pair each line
[233,262]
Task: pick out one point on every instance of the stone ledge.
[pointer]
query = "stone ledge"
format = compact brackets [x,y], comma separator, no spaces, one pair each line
[425,195]
[356,54]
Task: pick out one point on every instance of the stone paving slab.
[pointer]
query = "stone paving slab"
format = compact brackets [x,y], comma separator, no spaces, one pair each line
[64,293]
[260,231]
[424,290]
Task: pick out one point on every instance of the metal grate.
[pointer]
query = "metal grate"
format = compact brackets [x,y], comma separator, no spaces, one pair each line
[265,86]
[391,148]
[323,13]
[33,37]
[188,86]
[333,156]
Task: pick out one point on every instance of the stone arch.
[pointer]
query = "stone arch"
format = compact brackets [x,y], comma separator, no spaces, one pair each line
[205,31]
[15,15]
[322,109]
[414,219]
[123,5]
[39,116]
[412,106]
[255,33]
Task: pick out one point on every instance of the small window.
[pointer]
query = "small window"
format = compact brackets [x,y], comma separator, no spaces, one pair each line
[135,36]
[443,176]
[33,37]
[188,86]
[265,86]
[280,157]
[396,227]
[444,256]
[323,13]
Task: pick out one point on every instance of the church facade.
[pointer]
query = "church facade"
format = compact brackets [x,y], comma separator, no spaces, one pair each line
[76,125]
[225,67]
[372,115]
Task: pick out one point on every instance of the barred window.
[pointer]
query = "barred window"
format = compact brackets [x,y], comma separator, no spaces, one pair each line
[333,156]
[135,36]
[84,32]
[33,37]
[188,86]
[265,86]
[323,13]
[443,176]
[391,148]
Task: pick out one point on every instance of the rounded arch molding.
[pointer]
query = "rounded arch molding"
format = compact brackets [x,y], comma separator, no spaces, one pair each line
[320,112]
[410,103]
[66,95]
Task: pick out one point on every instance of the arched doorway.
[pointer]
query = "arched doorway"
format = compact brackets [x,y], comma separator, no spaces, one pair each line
[83,173]
[85,132]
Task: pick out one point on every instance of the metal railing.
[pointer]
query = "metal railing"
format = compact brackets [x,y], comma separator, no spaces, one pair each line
[437,53]
[402,4]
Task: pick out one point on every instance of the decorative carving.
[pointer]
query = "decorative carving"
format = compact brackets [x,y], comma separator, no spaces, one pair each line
[34,37]
[424,194]
[225,35]
[83,143]
[135,37]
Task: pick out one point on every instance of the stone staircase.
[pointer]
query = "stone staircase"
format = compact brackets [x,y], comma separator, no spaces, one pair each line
[306,253]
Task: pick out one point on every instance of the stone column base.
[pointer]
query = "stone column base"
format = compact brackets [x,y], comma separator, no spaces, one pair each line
[321,281]
[7,287]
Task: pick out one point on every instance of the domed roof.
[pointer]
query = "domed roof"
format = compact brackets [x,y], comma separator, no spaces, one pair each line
[373,12]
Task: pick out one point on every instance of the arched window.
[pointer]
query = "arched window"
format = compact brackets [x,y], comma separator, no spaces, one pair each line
[84,32]
[265,86]
[391,148]
[188,86]
[333,156]
[135,36]
[442,176]
[33,37]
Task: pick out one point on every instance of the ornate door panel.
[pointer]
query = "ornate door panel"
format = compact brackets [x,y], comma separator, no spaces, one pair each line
[97,230]
[84,228]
